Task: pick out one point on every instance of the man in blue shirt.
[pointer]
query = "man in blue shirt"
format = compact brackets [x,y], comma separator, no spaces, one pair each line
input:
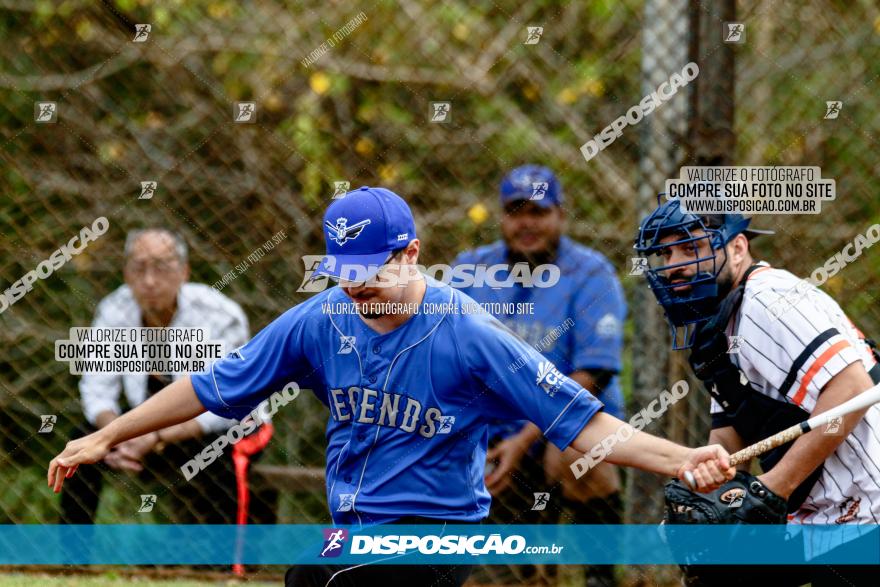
[411,377]
[574,319]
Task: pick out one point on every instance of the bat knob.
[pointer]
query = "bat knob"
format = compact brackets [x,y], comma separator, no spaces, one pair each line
[689,479]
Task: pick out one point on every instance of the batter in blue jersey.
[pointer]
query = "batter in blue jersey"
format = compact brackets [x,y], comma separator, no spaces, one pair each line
[409,393]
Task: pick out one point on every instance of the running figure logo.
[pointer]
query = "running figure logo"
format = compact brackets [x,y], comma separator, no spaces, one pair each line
[639,264]
[446,423]
[346,502]
[735,343]
[45,112]
[541,501]
[245,112]
[334,538]
[834,425]
[346,344]
[340,188]
[440,111]
[534,35]
[148,188]
[142,32]
[832,109]
[47,423]
[735,32]
[147,503]
[539,190]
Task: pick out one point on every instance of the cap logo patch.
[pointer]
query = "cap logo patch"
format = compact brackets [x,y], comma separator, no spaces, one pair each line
[342,233]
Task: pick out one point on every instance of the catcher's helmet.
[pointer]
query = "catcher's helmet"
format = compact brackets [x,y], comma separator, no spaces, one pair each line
[531,182]
[687,309]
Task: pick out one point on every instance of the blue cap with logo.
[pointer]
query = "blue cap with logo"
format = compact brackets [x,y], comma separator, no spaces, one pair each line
[531,182]
[361,229]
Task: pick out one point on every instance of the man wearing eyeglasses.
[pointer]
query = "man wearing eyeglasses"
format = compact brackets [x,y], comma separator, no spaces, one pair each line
[157,294]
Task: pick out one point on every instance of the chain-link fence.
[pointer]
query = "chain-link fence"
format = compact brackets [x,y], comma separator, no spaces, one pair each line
[151,127]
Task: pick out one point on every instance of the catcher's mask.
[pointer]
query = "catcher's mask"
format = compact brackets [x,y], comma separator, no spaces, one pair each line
[687,308]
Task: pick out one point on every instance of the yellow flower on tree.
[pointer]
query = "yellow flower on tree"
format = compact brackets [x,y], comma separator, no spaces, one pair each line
[478,214]
[567,96]
[387,172]
[319,82]
[364,146]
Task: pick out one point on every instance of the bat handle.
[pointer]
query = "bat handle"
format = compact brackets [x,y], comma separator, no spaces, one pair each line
[749,452]
[778,439]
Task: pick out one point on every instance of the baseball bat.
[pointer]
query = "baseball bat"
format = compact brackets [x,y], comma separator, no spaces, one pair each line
[865,399]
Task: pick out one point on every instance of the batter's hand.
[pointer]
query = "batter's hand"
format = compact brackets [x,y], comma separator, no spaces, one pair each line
[710,467]
[509,452]
[82,451]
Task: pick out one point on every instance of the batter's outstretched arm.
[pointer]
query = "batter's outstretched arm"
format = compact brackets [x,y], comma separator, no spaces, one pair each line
[176,403]
[709,464]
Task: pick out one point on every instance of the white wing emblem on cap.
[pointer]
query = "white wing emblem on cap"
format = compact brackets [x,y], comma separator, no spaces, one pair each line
[342,233]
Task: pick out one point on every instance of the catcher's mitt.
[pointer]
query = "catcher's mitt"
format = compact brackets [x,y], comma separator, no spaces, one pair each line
[742,500]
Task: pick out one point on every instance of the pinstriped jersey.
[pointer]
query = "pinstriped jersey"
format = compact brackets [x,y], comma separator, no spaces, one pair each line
[409,409]
[792,340]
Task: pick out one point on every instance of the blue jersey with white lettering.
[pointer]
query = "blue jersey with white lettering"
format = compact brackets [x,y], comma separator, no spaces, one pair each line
[576,323]
[410,409]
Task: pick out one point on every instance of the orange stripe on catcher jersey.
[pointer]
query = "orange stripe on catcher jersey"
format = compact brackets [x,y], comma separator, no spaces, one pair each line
[811,372]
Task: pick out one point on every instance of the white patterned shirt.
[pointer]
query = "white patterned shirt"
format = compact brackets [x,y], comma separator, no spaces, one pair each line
[198,306]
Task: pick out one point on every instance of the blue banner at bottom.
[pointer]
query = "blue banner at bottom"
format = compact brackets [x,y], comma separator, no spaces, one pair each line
[441,544]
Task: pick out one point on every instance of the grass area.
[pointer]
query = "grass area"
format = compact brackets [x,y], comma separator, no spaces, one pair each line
[112,580]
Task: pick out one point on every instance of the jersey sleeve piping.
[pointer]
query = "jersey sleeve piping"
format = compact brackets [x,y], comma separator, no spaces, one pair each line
[558,416]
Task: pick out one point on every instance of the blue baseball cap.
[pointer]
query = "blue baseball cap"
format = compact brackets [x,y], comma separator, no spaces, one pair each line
[531,182]
[361,229]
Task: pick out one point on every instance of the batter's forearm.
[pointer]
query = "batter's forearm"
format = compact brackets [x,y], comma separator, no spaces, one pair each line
[649,453]
[640,450]
[179,432]
[175,404]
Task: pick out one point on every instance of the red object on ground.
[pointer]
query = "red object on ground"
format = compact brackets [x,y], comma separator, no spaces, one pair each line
[241,458]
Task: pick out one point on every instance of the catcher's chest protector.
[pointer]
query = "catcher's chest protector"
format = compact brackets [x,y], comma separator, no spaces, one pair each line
[752,414]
